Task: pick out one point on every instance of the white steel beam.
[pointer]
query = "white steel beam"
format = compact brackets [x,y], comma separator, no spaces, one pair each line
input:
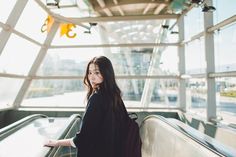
[119,8]
[116,45]
[11,22]
[13,76]
[103,6]
[181,54]
[159,8]
[119,18]
[222,24]
[210,65]
[81,77]
[147,8]
[222,74]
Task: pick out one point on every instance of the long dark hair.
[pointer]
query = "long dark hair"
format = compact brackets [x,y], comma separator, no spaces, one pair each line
[109,86]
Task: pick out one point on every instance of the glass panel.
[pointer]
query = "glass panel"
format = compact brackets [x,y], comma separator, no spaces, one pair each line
[226,99]
[225,46]
[67,62]
[74,61]
[18,56]
[195,57]
[6,8]
[144,31]
[224,10]
[164,93]
[30,26]
[194,16]
[131,61]
[169,61]
[173,35]
[69,93]
[126,61]
[132,90]
[9,89]
[196,96]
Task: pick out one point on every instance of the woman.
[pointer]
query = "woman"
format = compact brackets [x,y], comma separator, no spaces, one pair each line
[103,124]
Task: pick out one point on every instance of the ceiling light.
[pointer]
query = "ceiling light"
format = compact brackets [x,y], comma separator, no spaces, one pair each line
[197,1]
[53,3]
[89,29]
[174,32]
[207,8]
[165,26]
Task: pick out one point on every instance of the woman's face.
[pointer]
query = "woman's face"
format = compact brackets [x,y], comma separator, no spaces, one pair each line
[94,75]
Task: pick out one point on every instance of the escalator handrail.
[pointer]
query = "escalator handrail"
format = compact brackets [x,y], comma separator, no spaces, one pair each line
[207,144]
[209,141]
[8,130]
[66,136]
[71,121]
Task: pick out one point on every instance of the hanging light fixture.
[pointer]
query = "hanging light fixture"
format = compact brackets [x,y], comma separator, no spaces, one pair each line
[89,30]
[207,8]
[174,32]
[204,6]
[165,26]
[53,3]
[197,1]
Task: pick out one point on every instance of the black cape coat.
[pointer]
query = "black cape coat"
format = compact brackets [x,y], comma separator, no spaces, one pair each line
[102,129]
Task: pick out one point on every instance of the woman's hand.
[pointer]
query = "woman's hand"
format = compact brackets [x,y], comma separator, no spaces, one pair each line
[51,143]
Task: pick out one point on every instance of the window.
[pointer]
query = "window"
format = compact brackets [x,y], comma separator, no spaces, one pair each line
[31,21]
[9,89]
[18,56]
[6,8]
[225,46]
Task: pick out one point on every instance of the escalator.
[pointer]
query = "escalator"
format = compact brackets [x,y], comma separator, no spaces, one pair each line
[69,132]
[163,137]
[26,137]
[208,141]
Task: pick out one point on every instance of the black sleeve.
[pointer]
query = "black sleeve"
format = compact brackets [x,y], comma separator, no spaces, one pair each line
[90,124]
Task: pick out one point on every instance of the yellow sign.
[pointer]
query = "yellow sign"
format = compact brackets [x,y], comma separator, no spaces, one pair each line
[47,24]
[65,28]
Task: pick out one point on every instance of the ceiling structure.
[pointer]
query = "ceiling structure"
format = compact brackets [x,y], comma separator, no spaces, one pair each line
[126,21]
[116,10]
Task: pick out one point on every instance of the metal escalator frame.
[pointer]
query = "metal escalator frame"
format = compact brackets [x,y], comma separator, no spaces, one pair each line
[10,129]
[216,145]
[204,144]
[66,136]
[73,121]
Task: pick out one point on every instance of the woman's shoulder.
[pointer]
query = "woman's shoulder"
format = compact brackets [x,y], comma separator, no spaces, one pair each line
[99,100]
[95,97]
[98,96]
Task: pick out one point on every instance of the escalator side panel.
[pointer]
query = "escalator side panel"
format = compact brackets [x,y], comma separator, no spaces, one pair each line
[161,140]
[29,140]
